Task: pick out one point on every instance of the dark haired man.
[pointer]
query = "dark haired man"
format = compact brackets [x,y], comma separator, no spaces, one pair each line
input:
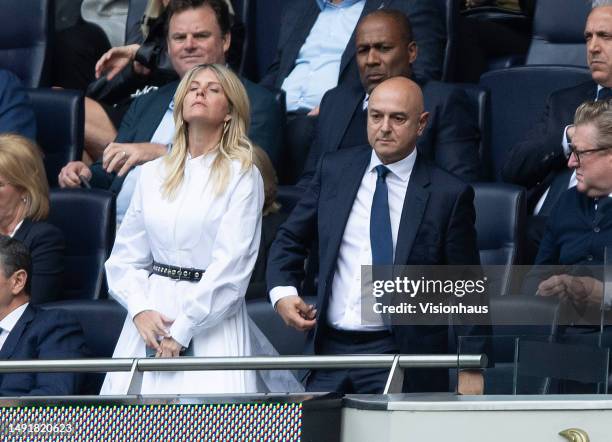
[198,32]
[28,332]
[385,48]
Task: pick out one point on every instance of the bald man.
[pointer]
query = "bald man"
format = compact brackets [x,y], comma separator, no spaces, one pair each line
[378,204]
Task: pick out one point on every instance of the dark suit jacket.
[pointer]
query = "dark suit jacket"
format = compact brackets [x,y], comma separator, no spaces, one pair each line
[16,114]
[534,162]
[436,228]
[46,245]
[450,138]
[576,233]
[146,112]
[298,17]
[43,334]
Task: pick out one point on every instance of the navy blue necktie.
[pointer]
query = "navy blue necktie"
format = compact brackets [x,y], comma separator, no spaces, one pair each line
[381,240]
[604,94]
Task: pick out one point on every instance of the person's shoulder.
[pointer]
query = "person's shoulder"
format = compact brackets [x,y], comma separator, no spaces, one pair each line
[44,229]
[256,92]
[54,317]
[442,180]
[348,154]
[579,89]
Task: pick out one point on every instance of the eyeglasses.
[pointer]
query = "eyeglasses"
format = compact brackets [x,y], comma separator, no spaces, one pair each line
[580,153]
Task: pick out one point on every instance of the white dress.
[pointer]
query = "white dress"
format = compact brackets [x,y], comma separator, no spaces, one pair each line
[218,233]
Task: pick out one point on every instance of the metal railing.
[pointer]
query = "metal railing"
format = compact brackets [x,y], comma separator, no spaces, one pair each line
[137,366]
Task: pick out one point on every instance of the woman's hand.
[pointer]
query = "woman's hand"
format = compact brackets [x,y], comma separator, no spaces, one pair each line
[169,348]
[115,59]
[151,325]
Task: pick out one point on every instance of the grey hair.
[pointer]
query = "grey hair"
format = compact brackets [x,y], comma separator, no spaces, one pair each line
[598,3]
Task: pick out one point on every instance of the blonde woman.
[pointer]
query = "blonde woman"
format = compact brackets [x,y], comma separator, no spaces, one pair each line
[195,212]
[24,205]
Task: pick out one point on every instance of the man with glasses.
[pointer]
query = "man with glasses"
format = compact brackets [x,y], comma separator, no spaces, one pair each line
[580,225]
[539,163]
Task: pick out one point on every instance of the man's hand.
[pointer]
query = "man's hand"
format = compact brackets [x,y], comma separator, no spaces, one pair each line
[115,59]
[553,286]
[581,289]
[70,173]
[168,348]
[151,325]
[121,157]
[313,112]
[470,382]
[296,313]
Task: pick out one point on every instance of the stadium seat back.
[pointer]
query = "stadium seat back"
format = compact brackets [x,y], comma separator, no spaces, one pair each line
[87,219]
[26,30]
[102,321]
[558,33]
[60,124]
[517,100]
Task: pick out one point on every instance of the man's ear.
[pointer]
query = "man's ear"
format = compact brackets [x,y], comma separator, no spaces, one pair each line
[413,51]
[227,41]
[423,119]
[18,281]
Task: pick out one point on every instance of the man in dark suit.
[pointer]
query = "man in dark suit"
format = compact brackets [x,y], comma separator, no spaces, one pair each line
[316,52]
[412,212]
[31,333]
[299,16]
[580,226]
[386,48]
[197,34]
[540,162]
[16,114]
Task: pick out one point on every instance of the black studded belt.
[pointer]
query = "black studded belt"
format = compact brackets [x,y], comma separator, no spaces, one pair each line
[178,273]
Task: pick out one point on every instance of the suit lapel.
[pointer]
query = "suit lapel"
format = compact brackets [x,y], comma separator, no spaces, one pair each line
[413,210]
[341,203]
[352,100]
[349,51]
[15,335]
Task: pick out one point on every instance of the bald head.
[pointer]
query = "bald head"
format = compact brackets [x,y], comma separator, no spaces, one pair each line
[396,118]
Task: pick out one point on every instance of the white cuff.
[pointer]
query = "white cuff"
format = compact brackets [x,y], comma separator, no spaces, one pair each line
[182,330]
[280,292]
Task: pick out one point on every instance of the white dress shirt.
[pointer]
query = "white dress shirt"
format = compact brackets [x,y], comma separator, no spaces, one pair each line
[163,135]
[344,311]
[9,321]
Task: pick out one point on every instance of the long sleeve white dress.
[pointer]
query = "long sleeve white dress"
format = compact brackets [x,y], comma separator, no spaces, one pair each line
[197,229]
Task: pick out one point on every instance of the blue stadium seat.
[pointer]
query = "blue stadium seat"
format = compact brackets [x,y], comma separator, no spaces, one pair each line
[500,220]
[518,98]
[26,28]
[558,33]
[87,220]
[60,123]
[102,321]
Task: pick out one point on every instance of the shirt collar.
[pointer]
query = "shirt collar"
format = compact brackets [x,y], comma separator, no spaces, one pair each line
[9,321]
[12,234]
[401,169]
[345,4]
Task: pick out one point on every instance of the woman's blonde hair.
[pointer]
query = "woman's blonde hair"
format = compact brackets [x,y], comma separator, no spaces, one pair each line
[234,143]
[22,166]
[270,180]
